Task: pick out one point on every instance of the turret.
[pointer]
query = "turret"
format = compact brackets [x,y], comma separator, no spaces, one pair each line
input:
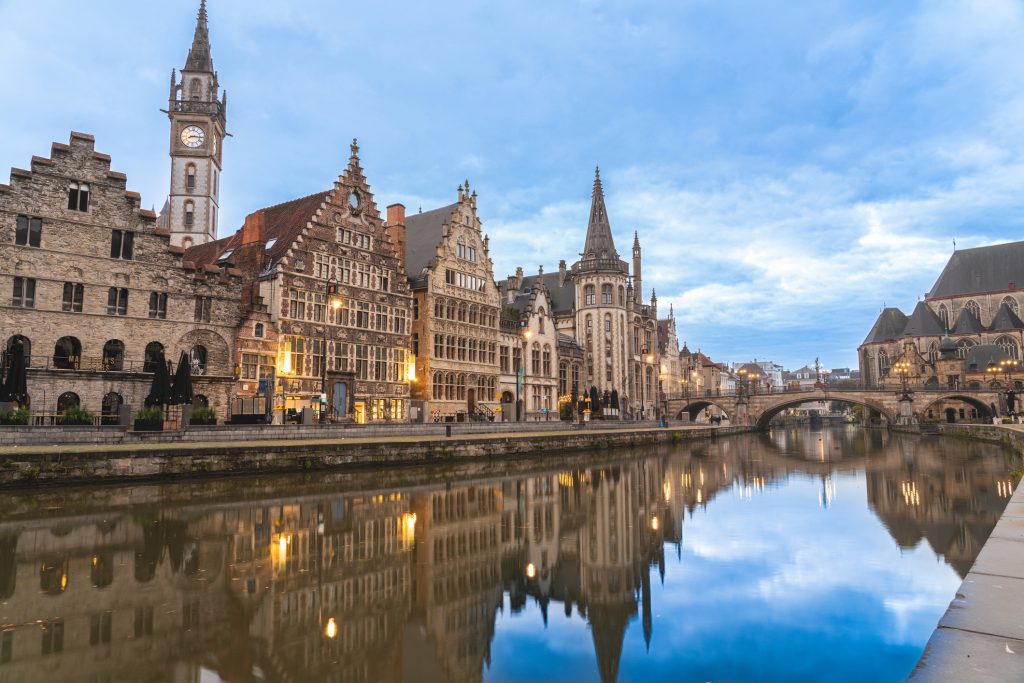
[637,277]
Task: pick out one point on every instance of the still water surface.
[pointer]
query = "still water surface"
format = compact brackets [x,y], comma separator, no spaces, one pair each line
[792,556]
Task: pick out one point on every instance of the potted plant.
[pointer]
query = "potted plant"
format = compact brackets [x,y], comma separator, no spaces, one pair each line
[202,416]
[15,416]
[75,416]
[149,419]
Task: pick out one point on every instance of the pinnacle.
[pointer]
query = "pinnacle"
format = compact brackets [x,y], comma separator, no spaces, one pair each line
[354,148]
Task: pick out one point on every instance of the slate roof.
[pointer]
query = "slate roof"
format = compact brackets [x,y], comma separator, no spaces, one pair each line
[599,240]
[281,222]
[199,58]
[982,269]
[423,232]
[888,327]
[966,323]
[1006,319]
[923,322]
[562,295]
[980,355]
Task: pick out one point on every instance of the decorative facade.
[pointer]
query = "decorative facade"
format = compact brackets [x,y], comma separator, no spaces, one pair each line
[456,311]
[95,291]
[528,350]
[353,344]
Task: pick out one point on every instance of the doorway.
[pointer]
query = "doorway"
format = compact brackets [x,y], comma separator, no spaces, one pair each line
[950,415]
[360,412]
[471,400]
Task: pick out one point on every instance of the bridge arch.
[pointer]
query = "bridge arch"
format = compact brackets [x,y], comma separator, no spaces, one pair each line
[697,405]
[774,409]
[984,410]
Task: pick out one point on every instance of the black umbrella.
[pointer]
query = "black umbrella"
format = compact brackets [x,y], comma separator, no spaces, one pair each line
[615,399]
[160,390]
[15,387]
[593,397]
[182,391]
[1011,400]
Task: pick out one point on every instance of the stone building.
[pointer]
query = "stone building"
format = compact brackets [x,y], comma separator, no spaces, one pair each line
[671,369]
[598,303]
[528,350]
[975,299]
[456,309]
[95,290]
[356,340]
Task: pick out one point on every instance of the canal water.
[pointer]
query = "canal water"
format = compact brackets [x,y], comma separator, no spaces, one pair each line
[797,555]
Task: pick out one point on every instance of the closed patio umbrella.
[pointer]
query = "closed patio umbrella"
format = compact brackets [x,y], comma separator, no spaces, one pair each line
[182,391]
[160,389]
[15,386]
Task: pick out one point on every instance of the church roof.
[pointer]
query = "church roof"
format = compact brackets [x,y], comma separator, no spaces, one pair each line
[1006,319]
[888,327]
[608,624]
[980,355]
[923,322]
[199,58]
[423,232]
[982,269]
[966,323]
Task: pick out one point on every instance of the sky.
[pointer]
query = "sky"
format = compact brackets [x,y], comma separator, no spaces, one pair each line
[789,169]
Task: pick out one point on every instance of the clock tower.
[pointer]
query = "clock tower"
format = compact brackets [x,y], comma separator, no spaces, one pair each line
[196,109]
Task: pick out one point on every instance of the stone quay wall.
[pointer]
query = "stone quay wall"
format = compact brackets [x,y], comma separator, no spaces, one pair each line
[84,463]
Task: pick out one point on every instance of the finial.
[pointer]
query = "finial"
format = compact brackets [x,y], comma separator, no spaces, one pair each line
[202,10]
[354,147]
[540,270]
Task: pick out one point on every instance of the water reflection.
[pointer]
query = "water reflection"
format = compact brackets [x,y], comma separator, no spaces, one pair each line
[365,577]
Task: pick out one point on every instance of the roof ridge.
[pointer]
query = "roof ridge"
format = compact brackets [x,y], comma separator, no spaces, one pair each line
[292,201]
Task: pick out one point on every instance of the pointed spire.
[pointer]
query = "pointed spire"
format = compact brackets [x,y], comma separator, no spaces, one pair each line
[599,242]
[636,239]
[199,58]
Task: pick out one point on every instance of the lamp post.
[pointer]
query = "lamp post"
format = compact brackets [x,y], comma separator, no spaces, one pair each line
[335,303]
[902,368]
[1009,365]
[521,411]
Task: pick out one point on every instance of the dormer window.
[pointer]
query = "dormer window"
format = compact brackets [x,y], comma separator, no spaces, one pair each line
[225,256]
[78,197]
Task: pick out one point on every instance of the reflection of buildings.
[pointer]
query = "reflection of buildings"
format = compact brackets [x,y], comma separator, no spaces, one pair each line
[406,584]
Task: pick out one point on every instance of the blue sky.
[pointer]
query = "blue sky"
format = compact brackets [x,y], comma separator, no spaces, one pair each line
[789,168]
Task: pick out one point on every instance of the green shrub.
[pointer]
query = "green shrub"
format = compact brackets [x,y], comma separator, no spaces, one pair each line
[17,416]
[202,416]
[75,415]
[150,414]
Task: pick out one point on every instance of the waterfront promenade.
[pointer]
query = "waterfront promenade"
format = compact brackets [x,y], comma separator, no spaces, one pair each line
[981,636]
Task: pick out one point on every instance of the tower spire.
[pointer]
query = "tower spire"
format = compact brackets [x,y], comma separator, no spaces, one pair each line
[199,58]
[599,242]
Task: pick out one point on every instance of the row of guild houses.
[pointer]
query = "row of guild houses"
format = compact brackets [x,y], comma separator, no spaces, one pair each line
[321,302]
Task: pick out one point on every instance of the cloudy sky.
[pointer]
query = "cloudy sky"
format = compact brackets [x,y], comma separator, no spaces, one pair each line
[789,169]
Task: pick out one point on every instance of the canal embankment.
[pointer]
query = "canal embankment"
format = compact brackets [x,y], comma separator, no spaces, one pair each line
[95,457]
[981,636]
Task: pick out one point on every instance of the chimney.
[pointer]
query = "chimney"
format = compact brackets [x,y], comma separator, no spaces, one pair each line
[395,230]
[252,229]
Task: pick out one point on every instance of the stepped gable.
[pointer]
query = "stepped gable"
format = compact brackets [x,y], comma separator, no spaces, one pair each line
[1006,319]
[888,327]
[994,268]
[923,322]
[966,323]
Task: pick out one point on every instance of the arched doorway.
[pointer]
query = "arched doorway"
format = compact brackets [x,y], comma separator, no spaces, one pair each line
[153,351]
[113,355]
[112,403]
[67,353]
[68,399]
[26,345]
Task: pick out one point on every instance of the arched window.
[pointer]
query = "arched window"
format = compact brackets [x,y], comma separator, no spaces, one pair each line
[588,295]
[963,346]
[974,308]
[439,308]
[944,315]
[1009,346]
[1012,303]
[883,364]
[257,330]
[68,399]
[933,352]
[535,359]
[186,243]
[113,355]
[622,295]
[153,351]
[67,353]
[450,310]
[112,403]
[190,213]
[606,294]
[190,176]
[193,89]
[26,347]
[197,356]
[462,312]
[461,396]
[200,401]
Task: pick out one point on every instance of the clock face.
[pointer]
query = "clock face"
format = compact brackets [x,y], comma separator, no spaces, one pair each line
[193,136]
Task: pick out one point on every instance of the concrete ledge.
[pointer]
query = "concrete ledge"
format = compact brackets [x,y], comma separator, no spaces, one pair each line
[981,636]
[81,463]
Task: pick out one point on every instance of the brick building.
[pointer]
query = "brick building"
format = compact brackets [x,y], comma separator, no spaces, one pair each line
[292,333]
[95,289]
[457,305]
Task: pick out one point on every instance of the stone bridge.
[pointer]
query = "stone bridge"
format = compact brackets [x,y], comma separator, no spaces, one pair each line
[759,409]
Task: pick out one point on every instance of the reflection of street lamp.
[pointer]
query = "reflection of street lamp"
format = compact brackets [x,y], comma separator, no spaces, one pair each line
[335,303]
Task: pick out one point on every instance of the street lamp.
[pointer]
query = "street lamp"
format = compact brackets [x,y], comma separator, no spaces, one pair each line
[902,368]
[335,303]
[521,411]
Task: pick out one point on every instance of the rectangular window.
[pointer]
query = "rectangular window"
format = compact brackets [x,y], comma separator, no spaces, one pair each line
[318,357]
[415,309]
[73,296]
[28,231]
[438,346]
[363,315]
[204,309]
[380,360]
[99,628]
[362,361]
[158,305]
[24,294]
[143,621]
[117,301]
[342,356]
[250,364]
[401,320]
[380,314]
[297,304]
[122,244]
[321,266]
[78,197]
[517,359]
[319,307]
[53,637]
[294,355]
